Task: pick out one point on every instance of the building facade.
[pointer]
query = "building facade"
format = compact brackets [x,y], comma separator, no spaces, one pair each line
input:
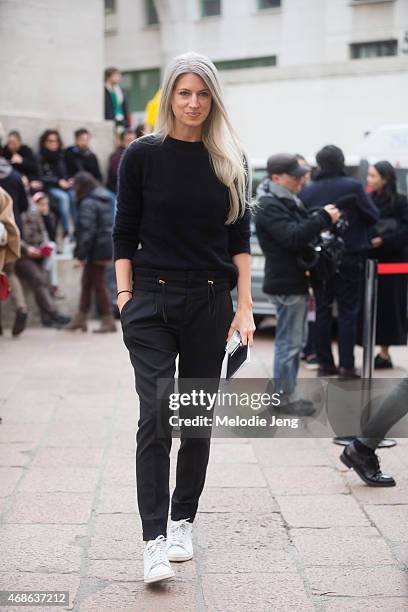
[297,74]
[51,70]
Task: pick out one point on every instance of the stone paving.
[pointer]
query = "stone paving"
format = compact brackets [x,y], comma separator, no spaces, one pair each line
[282,524]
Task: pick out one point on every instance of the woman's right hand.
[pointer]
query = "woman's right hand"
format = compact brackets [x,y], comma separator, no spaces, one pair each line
[333,212]
[122,299]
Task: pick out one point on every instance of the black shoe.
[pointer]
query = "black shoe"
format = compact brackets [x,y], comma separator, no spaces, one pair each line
[348,374]
[382,364]
[299,407]
[62,319]
[19,322]
[327,370]
[366,466]
[56,321]
[311,362]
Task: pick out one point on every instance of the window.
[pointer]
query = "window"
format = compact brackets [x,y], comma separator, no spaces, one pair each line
[357,2]
[209,8]
[110,16]
[152,17]
[110,7]
[140,87]
[381,48]
[250,62]
[267,4]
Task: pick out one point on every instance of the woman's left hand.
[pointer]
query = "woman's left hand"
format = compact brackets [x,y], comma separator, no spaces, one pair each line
[376,242]
[243,322]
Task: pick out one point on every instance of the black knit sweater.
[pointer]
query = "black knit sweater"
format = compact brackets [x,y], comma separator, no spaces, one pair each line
[171,210]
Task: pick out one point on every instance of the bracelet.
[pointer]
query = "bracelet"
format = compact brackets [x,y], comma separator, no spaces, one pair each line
[124,291]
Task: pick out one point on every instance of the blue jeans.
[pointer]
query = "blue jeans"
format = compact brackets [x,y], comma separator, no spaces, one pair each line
[66,205]
[290,338]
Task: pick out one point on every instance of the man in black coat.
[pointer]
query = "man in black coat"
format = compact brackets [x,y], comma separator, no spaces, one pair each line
[284,229]
[330,185]
[80,158]
[20,156]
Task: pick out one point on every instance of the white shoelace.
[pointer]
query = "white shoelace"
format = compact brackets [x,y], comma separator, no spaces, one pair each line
[157,552]
[179,531]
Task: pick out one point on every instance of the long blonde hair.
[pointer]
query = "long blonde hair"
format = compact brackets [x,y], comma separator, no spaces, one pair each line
[219,138]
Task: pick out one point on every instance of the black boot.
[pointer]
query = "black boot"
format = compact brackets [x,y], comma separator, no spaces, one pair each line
[366,465]
[19,322]
[382,363]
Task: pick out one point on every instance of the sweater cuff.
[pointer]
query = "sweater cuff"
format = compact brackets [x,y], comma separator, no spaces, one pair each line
[240,246]
[123,250]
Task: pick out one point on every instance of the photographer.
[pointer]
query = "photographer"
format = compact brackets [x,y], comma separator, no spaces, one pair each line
[332,184]
[285,229]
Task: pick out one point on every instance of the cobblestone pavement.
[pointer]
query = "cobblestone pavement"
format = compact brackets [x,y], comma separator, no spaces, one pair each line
[282,524]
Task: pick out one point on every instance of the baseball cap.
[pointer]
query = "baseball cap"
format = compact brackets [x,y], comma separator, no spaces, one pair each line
[284,163]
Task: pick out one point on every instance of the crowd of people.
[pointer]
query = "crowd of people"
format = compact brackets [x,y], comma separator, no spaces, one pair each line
[60,205]
[293,213]
[60,190]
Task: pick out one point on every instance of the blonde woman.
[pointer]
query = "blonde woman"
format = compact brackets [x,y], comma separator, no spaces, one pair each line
[181,242]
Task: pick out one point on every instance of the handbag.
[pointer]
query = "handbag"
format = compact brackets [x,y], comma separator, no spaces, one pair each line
[4,287]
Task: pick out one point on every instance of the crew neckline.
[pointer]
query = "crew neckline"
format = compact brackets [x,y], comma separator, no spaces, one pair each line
[185,144]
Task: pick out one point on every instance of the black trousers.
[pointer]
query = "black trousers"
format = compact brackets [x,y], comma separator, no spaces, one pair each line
[393,409]
[344,288]
[172,313]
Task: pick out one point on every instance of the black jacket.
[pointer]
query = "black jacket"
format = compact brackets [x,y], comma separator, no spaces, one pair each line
[52,167]
[78,161]
[109,110]
[326,189]
[395,239]
[284,230]
[94,228]
[29,166]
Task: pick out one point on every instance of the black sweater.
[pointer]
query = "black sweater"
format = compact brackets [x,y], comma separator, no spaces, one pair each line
[172,204]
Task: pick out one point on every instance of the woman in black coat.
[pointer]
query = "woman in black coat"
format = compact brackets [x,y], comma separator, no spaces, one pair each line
[93,250]
[20,156]
[55,178]
[389,239]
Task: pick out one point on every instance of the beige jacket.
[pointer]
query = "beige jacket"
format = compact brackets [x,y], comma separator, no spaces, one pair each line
[11,251]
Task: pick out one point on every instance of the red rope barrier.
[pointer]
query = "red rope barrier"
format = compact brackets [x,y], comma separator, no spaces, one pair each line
[393,268]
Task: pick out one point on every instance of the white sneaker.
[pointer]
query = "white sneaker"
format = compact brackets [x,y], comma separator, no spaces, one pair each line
[179,544]
[156,562]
